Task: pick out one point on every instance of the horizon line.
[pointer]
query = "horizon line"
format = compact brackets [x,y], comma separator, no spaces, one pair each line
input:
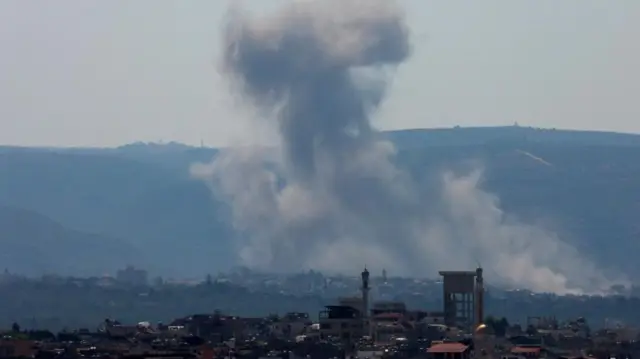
[201,145]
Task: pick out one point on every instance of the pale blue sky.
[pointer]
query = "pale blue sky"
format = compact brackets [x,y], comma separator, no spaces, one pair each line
[108,72]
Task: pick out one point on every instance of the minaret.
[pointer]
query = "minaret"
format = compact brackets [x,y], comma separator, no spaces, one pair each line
[479,298]
[365,301]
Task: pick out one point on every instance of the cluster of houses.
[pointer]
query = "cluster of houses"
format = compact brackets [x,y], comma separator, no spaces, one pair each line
[351,328]
[391,331]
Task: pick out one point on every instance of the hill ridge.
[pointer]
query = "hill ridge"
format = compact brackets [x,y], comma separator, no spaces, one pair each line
[456,130]
[146,198]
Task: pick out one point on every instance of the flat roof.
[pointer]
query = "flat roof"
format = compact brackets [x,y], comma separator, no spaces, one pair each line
[388,316]
[525,350]
[457,272]
[448,348]
[345,307]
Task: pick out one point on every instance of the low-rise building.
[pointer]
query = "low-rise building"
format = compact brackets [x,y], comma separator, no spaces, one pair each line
[449,351]
[341,321]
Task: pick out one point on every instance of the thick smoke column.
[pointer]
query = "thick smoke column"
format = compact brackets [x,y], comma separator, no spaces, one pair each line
[332,199]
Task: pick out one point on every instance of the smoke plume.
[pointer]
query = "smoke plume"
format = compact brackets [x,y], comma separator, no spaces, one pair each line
[331,197]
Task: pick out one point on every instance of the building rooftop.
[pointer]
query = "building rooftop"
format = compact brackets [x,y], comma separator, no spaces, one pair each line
[396,316]
[448,348]
[340,307]
[525,350]
[457,272]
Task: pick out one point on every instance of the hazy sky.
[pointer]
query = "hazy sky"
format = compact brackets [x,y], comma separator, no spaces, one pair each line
[108,72]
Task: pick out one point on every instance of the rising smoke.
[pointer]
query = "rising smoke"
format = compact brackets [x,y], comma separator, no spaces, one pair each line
[332,199]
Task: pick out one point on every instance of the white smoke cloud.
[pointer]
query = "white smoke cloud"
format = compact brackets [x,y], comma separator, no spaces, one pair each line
[331,197]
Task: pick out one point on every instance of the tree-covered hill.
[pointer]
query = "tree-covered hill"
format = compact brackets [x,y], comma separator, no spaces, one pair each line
[583,185]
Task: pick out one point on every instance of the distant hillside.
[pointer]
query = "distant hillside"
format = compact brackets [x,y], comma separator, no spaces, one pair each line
[161,210]
[582,184]
[33,244]
[513,134]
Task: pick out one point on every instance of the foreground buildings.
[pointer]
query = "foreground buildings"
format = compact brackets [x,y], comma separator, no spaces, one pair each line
[352,327]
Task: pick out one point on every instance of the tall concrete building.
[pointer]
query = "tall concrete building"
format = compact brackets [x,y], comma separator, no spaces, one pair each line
[463,298]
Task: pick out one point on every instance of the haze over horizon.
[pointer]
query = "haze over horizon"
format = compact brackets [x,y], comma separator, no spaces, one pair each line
[108,73]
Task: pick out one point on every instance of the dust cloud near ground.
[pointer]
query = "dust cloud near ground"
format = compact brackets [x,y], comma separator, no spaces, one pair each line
[330,198]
